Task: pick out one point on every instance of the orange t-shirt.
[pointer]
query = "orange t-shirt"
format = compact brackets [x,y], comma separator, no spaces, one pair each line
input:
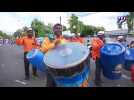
[27,43]
[96,45]
[77,39]
[47,44]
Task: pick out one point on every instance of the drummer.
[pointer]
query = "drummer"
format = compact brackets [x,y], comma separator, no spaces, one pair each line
[28,42]
[53,39]
[77,38]
[96,45]
[51,42]
[56,38]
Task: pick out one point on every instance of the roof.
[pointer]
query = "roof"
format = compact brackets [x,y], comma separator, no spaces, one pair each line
[117,32]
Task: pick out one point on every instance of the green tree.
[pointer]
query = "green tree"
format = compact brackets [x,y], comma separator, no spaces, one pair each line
[1,34]
[49,28]
[64,28]
[130,21]
[78,26]
[18,33]
[90,30]
[39,27]
[73,22]
[99,29]
[25,29]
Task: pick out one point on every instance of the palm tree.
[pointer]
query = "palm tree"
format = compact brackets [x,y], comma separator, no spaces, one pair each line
[130,21]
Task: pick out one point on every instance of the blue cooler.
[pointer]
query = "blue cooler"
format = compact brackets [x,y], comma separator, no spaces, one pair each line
[129,58]
[112,60]
[35,57]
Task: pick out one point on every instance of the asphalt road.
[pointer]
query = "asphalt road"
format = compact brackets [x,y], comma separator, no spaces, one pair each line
[12,71]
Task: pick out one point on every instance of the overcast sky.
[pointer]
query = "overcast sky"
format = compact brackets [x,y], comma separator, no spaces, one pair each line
[11,21]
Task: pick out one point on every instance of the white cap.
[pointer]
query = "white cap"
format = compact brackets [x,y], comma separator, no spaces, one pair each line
[120,37]
[100,33]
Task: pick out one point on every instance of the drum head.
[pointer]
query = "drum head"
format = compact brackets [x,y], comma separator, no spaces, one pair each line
[129,54]
[32,53]
[66,56]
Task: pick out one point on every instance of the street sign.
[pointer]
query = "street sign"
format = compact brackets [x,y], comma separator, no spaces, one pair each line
[121,19]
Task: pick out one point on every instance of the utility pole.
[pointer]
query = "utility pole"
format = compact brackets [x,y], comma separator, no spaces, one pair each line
[60,19]
[60,23]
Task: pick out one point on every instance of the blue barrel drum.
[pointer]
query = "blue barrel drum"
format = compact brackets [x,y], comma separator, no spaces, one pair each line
[112,60]
[68,65]
[129,58]
[35,57]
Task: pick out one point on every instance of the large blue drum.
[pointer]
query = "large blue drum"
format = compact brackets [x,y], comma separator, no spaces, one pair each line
[68,65]
[129,58]
[35,57]
[112,60]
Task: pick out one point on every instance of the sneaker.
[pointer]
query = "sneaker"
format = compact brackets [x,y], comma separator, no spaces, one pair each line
[34,76]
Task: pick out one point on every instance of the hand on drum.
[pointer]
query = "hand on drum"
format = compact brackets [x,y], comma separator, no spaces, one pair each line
[57,42]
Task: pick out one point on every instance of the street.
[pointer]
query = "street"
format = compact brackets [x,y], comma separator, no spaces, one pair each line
[12,71]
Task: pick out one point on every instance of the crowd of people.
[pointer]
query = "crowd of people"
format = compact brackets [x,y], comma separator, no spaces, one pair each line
[7,41]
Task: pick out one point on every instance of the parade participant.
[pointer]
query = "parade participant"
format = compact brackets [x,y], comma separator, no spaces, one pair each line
[53,39]
[96,45]
[1,42]
[50,42]
[121,40]
[77,38]
[28,42]
[131,44]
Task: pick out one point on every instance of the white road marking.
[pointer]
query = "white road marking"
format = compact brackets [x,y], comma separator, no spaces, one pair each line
[118,85]
[125,77]
[21,82]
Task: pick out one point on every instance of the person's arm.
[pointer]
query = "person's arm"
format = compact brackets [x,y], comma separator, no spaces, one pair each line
[94,45]
[45,46]
[19,41]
